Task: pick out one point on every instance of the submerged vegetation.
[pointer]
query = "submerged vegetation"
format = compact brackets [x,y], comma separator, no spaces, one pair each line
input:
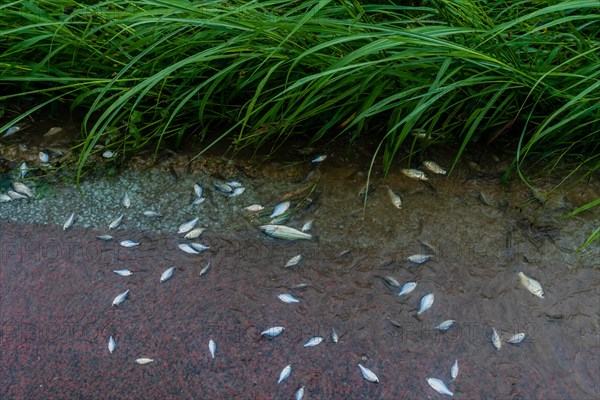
[257,72]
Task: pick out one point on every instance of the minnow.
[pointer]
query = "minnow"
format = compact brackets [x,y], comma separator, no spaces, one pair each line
[273,331]
[22,188]
[396,200]
[198,200]
[496,339]
[198,190]
[439,386]
[284,232]
[222,187]
[16,195]
[105,238]
[444,326]
[126,201]
[285,373]
[23,169]
[188,226]
[280,209]
[426,302]
[234,184]
[199,247]
[5,198]
[187,248]
[434,167]
[313,341]
[391,281]
[205,269]
[212,347]
[237,191]
[407,288]
[122,272]
[167,274]
[516,338]
[418,258]
[368,374]
[334,335]
[43,157]
[69,222]
[414,174]
[144,360]
[288,298]
[120,298]
[254,208]
[294,261]
[532,285]
[299,394]
[319,159]
[194,233]
[307,226]
[116,222]
[454,370]
[129,243]
[152,214]
[111,344]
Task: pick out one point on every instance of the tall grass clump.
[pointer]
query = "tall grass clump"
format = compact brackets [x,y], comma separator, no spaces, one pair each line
[258,72]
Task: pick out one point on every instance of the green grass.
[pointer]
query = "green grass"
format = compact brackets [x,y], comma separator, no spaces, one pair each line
[258,72]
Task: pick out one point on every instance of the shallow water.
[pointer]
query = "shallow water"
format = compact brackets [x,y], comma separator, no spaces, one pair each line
[57,287]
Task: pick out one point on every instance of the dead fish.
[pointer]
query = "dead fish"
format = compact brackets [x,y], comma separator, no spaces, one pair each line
[69,222]
[454,370]
[284,232]
[198,200]
[23,169]
[532,285]
[418,258]
[307,225]
[167,274]
[439,386]
[516,338]
[5,198]
[496,339]
[106,238]
[144,360]
[120,298]
[122,272]
[43,157]
[391,281]
[444,326]
[300,286]
[396,200]
[222,187]
[205,269]
[319,159]
[198,190]
[287,298]
[212,347]
[22,188]
[334,335]
[368,374]
[11,130]
[116,222]
[16,195]
[234,184]
[199,247]
[273,331]
[294,261]
[111,344]
[152,214]
[280,209]
[313,341]
[434,167]
[299,394]
[254,208]
[426,303]
[414,174]
[285,373]
[407,288]
[237,191]
[188,226]
[187,248]
[108,154]
[194,233]
[126,200]
[129,243]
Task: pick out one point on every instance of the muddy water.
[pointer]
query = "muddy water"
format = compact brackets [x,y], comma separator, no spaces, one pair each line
[57,287]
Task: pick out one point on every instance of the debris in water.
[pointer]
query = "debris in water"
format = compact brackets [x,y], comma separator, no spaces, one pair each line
[368,374]
[532,285]
[439,386]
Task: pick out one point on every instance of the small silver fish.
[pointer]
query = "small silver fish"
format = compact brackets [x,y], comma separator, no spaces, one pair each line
[144,360]
[43,157]
[5,198]
[205,269]
[418,258]
[426,303]
[434,167]
[152,214]
[111,344]
[108,154]
[234,184]
[414,174]
[22,188]
[287,298]
[273,331]
[254,208]
[300,286]
[407,288]
[439,386]
[187,248]
[280,209]
[194,233]
[212,347]
[16,195]
[299,394]
[69,222]
[222,187]
[496,339]
[532,285]
[122,272]
[444,326]
[116,222]
[23,169]
[454,370]
[198,200]
[237,191]
[199,247]
[105,238]
[129,243]
[313,341]
[198,190]
[126,200]
[294,261]
[396,200]
[334,335]
[120,298]
[284,232]
[11,130]
[391,281]
[516,338]
[319,159]
[285,373]
[188,226]
[167,274]
[368,374]
[307,225]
